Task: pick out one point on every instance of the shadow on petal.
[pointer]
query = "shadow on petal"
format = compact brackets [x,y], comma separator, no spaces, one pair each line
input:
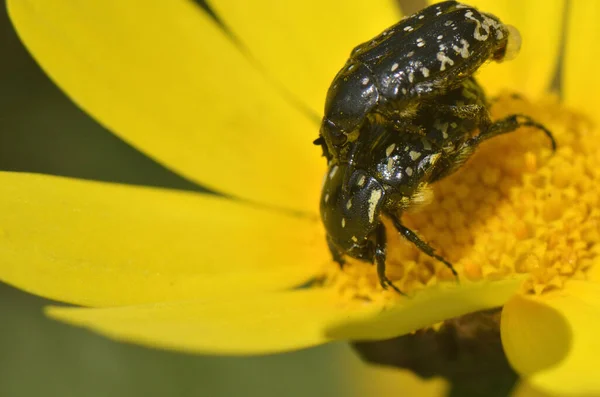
[466,351]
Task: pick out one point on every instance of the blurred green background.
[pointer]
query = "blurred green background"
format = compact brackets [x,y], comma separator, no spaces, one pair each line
[42,131]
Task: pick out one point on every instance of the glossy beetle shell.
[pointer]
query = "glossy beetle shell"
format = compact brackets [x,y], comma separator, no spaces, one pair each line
[393,162]
[419,58]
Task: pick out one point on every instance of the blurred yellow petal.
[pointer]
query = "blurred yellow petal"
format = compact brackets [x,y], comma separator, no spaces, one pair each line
[235,324]
[303,44]
[252,323]
[581,78]
[525,389]
[540,23]
[428,307]
[100,244]
[553,340]
[164,77]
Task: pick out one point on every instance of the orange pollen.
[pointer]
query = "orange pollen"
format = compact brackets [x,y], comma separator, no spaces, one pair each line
[514,208]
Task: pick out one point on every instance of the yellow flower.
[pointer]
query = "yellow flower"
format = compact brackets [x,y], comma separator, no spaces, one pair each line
[231,109]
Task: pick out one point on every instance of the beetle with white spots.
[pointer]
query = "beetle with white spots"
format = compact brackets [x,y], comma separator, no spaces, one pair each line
[402,115]
[380,77]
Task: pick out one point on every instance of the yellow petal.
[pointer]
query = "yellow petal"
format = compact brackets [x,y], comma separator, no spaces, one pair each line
[164,77]
[239,324]
[99,244]
[525,389]
[303,44]
[581,79]
[553,340]
[428,307]
[540,24]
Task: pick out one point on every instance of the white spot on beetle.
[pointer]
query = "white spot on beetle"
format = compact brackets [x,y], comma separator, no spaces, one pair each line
[333,171]
[410,54]
[421,16]
[343,222]
[353,238]
[426,144]
[464,50]
[365,81]
[478,26]
[390,149]
[390,165]
[326,198]
[373,201]
[411,77]
[490,22]
[425,72]
[361,180]
[404,91]
[408,28]
[442,127]
[414,155]
[448,23]
[444,59]
[394,67]
[420,42]
[349,204]
[409,171]
[440,37]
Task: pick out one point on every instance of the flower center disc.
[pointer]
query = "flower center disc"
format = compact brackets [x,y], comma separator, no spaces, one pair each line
[514,208]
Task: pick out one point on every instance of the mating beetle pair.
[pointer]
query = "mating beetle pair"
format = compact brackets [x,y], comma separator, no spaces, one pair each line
[404,112]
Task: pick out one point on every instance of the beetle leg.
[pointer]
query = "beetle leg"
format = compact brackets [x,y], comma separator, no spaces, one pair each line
[478,113]
[454,161]
[404,126]
[510,124]
[422,245]
[380,254]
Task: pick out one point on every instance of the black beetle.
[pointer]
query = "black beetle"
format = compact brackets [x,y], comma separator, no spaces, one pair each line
[392,164]
[421,57]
